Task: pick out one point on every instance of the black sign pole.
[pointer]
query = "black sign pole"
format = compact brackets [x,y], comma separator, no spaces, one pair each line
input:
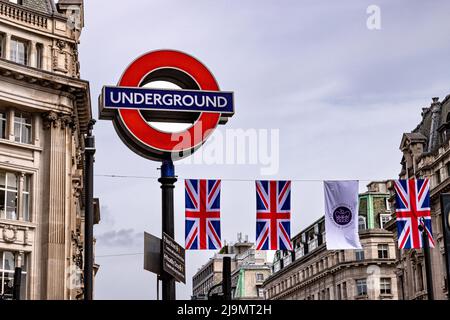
[89,151]
[427,257]
[226,278]
[157,288]
[167,181]
[17,283]
[445,213]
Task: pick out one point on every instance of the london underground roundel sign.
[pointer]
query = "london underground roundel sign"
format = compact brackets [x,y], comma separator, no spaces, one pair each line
[132,107]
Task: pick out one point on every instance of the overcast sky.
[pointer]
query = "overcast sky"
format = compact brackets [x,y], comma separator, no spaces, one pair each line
[340,94]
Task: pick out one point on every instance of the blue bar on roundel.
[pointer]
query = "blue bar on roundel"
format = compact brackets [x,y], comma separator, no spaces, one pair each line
[168,100]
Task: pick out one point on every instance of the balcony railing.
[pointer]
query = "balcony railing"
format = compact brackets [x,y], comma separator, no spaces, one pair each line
[24,16]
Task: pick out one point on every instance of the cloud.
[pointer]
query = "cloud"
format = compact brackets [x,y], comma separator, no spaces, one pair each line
[119,238]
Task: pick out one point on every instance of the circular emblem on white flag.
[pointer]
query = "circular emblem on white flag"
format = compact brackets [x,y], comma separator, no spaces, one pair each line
[342,216]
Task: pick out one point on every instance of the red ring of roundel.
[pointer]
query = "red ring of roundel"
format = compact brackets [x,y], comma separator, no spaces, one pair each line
[149,136]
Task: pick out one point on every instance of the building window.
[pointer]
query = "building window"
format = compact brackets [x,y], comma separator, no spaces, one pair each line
[22,127]
[362,223]
[7,269]
[2,45]
[388,204]
[438,177]
[39,56]
[419,278]
[312,243]
[8,196]
[19,52]
[261,292]
[448,167]
[276,266]
[20,2]
[383,251]
[298,250]
[287,259]
[361,287]
[385,286]
[344,290]
[339,293]
[359,255]
[259,277]
[3,122]
[384,218]
[9,192]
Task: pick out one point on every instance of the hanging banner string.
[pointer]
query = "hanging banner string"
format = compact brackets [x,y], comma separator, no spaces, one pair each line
[116,176]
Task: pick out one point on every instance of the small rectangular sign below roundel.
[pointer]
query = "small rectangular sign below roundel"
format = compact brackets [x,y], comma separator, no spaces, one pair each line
[149,99]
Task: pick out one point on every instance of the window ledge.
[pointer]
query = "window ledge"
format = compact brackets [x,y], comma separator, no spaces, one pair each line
[18,223]
[20,145]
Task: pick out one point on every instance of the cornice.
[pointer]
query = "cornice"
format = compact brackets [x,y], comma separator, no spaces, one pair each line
[80,89]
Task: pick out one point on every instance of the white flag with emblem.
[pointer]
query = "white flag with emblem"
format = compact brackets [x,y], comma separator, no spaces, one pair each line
[341,215]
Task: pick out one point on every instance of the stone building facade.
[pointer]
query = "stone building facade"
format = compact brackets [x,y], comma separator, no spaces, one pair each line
[45,110]
[252,269]
[209,275]
[311,272]
[426,154]
[249,269]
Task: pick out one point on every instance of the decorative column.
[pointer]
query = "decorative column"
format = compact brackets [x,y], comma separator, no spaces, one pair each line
[55,206]
[20,197]
[11,125]
[33,54]
[45,58]
[19,259]
[36,130]
[8,47]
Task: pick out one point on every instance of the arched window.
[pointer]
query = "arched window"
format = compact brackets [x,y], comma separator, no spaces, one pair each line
[362,223]
[419,276]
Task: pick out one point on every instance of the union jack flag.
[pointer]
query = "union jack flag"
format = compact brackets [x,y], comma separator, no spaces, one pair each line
[412,207]
[202,215]
[273,215]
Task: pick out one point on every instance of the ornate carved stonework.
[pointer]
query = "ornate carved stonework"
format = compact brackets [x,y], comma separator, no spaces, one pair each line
[50,119]
[75,61]
[60,56]
[60,44]
[55,120]
[79,159]
[67,121]
[9,234]
[77,186]
[77,249]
